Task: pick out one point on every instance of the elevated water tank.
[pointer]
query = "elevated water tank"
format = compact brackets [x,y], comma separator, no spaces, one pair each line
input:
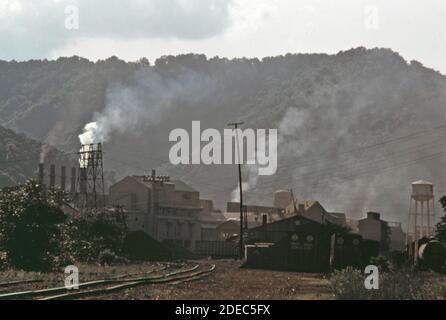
[422,190]
[282,198]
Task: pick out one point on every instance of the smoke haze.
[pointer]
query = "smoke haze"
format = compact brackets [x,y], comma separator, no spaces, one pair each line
[355,128]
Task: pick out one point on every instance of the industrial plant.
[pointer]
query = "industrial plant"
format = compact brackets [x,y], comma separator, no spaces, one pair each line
[222,150]
[292,234]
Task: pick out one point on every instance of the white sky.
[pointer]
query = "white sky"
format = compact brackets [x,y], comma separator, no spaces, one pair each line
[133,29]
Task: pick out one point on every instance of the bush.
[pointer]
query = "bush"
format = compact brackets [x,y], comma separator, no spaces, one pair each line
[36,235]
[108,257]
[91,233]
[3,261]
[348,284]
[30,226]
[382,262]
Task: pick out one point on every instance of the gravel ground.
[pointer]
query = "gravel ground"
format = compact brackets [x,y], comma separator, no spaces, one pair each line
[228,281]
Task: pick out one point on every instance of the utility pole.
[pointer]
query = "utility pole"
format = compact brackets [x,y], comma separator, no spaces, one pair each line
[235,125]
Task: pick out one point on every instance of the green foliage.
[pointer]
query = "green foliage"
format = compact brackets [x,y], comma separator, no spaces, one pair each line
[440,232]
[382,263]
[3,261]
[108,257]
[36,235]
[348,284]
[30,226]
[90,233]
[42,98]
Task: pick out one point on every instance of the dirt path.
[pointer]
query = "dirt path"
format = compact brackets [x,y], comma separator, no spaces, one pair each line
[231,282]
[227,282]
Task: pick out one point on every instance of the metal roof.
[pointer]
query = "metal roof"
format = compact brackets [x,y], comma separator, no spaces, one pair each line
[422,182]
[178,184]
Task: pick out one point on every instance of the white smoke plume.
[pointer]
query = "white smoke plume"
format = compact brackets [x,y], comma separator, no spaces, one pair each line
[249,184]
[93,133]
[129,107]
[44,149]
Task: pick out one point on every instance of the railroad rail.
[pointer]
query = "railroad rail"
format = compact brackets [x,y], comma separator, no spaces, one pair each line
[114,284]
[15,283]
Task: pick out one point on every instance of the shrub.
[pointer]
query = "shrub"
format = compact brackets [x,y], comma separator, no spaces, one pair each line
[3,261]
[90,233]
[348,284]
[382,263]
[30,226]
[108,257]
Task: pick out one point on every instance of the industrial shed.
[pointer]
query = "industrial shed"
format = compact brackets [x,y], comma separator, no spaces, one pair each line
[296,243]
[301,244]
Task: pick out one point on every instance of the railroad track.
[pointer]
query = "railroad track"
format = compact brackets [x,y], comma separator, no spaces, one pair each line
[15,283]
[115,284]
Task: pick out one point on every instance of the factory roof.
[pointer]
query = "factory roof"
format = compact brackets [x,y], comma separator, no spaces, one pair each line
[178,184]
[286,220]
[251,224]
[182,186]
[422,182]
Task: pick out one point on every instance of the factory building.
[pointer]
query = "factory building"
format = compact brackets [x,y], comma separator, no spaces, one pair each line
[389,234]
[167,210]
[314,211]
[286,208]
[254,213]
[373,228]
[397,237]
[210,219]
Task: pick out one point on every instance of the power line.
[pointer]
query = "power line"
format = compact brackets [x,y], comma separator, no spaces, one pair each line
[375,145]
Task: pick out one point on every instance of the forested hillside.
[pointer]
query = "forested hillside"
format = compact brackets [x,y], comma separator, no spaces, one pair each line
[18,157]
[355,128]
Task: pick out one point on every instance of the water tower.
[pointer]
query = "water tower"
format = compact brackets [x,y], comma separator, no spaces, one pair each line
[421,211]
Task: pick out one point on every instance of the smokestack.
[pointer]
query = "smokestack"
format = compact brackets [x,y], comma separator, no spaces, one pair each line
[52,176]
[41,173]
[73,181]
[63,177]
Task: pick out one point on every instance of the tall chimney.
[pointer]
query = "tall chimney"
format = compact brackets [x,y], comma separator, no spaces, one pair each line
[52,176]
[73,181]
[41,173]
[63,177]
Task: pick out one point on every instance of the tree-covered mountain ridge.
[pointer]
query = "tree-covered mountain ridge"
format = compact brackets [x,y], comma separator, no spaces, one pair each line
[345,120]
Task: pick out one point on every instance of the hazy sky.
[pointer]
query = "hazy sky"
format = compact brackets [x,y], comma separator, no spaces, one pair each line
[132,29]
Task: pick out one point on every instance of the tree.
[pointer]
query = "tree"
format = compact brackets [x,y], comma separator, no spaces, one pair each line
[89,234]
[440,232]
[30,226]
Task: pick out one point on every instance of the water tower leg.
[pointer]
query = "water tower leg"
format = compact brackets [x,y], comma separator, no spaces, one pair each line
[428,220]
[415,222]
[422,220]
[409,222]
[415,234]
